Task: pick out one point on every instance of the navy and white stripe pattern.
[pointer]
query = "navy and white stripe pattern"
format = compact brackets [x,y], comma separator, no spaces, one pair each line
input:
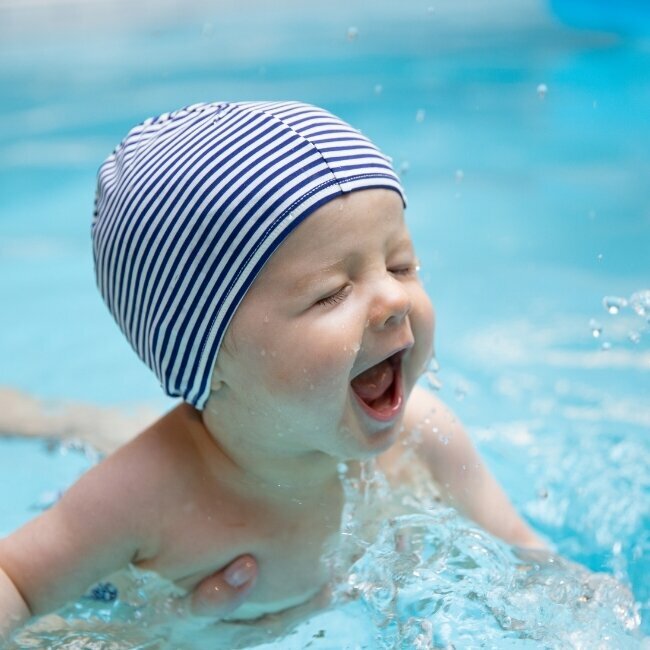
[192,204]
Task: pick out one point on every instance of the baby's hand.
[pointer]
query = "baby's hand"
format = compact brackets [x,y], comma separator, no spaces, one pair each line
[240,634]
[221,593]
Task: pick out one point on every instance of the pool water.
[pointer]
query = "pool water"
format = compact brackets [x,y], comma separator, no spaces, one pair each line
[521,136]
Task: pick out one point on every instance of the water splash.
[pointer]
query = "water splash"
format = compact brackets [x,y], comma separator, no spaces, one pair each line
[614,304]
[431,374]
[426,576]
[596,328]
[352,34]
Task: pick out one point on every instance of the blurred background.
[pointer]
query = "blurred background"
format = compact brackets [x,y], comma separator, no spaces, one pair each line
[521,130]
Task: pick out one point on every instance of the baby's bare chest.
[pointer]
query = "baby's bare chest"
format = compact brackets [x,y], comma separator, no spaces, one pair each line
[289,538]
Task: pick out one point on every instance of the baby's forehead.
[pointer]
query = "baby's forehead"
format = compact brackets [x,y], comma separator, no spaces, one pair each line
[356,225]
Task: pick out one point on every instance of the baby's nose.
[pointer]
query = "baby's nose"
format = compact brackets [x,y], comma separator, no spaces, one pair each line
[391,305]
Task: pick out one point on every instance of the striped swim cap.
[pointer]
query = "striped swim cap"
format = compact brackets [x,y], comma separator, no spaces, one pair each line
[191,205]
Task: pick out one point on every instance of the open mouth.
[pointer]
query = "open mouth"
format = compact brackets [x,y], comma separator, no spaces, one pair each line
[379,388]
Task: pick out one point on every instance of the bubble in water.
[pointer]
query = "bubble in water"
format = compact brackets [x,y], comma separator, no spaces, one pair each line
[599,257]
[460,392]
[430,10]
[353,33]
[444,439]
[606,345]
[596,328]
[266,318]
[460,175]
[404,167]
[614,304]
[378,89]
[431,374]
[420,115]
[542,90]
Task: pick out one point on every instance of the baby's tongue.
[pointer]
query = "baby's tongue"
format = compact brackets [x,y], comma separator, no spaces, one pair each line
[374,382]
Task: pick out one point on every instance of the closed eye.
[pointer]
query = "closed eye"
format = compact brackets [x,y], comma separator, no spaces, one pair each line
[336,297]
[405,271]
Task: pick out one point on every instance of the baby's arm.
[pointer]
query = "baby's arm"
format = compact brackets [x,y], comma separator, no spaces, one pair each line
[464,480]
[55,557]
[106,520]
[106,428]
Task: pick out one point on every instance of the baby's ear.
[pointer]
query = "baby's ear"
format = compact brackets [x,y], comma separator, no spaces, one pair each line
[215,382]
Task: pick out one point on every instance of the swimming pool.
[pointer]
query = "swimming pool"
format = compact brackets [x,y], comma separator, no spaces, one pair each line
[522,141]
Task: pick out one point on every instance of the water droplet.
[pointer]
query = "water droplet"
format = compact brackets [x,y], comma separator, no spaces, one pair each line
[443,439]
[542,90]
[599,257]
[420,115]
[614,304]
[263,352]
[460,175]
[353,33]
[595,103]
[543,493]
[311,387]
[460,392]
[431,10]
[591,214]
[404,167]
[266,318]
[378,89]
[431,374]
[596,328]
[640,302]
[356,347]
[606,345]
[207,30]
[634,336]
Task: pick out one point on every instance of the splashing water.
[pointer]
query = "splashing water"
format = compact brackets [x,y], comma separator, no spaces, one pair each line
[431,375]
[414,572]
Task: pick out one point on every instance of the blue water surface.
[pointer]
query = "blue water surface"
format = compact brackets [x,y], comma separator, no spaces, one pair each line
[520,129]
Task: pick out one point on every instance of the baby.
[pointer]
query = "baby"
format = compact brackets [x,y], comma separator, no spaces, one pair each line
[256,257]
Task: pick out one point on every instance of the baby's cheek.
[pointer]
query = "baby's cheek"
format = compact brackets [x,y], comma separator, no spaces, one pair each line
[423,322]
[317,363]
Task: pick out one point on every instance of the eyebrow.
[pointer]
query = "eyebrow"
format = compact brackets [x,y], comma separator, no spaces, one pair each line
[308,280]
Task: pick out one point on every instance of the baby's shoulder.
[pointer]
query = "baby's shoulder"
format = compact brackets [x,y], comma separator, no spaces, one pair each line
[162,458]
[423,407]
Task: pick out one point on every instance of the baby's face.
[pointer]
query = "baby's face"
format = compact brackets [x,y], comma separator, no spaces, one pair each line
[329,341]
